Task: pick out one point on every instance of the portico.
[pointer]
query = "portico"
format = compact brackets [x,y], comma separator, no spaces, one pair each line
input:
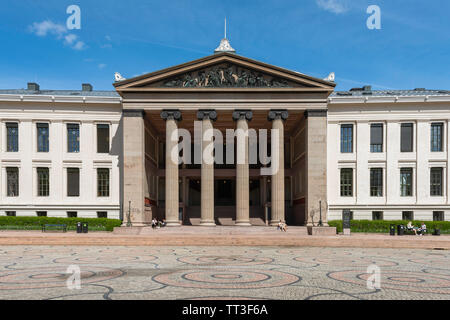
[193,105]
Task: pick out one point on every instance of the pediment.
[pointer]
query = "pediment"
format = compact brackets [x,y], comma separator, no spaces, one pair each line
[222,71]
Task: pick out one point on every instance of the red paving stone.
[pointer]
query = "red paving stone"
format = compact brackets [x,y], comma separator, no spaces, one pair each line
[222,236]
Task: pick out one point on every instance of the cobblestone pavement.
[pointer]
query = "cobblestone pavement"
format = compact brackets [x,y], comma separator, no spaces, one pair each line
[40,272]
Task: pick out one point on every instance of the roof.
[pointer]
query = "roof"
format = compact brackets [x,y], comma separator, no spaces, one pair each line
[94,93]
[360,92]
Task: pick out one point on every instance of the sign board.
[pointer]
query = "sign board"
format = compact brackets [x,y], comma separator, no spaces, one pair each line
[346,219]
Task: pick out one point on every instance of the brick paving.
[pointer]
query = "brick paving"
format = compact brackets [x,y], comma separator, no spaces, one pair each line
[229,272]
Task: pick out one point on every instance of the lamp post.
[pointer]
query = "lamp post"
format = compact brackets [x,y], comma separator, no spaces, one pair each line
[320,213]
[129,214]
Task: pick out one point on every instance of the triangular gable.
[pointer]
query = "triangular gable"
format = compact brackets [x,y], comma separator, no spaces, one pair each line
[223,70]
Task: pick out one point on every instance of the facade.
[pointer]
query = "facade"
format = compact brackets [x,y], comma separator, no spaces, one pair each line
[388,154]
[60,153]
[85,153]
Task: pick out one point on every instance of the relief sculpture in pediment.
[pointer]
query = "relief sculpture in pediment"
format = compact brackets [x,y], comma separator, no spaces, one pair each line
[225,76]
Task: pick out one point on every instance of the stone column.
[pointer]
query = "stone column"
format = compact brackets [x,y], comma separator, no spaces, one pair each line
[207,172]
[172,191]
[134,169]
[277,182]
[316,166]
[242,170]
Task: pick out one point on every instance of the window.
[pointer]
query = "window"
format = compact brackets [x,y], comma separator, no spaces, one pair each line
[406,182]
[12,182]
[436,181]
[377,215]
[102,138]
[436,137]
[406,137]
[438,215]
[12,137]
[376,182]
[346,182]
[408,215]
[103,182]
[71,214]
[347,138]
[73,137]
[42,137]
[41,213]
[43,182]
[102,214]
[10,213]
[73,182]
[376,137]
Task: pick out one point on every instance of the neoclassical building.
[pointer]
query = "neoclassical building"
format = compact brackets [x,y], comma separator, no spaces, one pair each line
[380,154]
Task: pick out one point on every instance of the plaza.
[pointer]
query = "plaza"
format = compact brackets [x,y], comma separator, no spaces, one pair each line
[224,273]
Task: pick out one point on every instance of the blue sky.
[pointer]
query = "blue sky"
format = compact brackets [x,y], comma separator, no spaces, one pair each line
[315,37]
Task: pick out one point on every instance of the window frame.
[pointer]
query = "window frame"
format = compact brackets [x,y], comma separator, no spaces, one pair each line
[44,189]
[102,191]
[12,141]
[379,147]
[346,189]
[108,142]
[434,185]
[411,125]
[406,185]
[68,170]
[379,191]
[440,137]
[46,143]
[70,142]
[346,139]
[8,188]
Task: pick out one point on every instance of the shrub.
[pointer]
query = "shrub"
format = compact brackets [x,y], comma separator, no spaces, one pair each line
[382,226]
[36,223]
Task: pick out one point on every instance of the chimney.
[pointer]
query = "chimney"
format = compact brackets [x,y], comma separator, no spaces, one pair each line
[86,87]
[32,86]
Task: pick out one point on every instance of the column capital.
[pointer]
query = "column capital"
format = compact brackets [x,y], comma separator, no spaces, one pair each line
[207,114]
[315,113]
[278,114]
[174,114]
[138,113]
[239,114]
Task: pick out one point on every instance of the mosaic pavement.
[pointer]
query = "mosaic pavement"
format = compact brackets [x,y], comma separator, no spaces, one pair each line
[40,272]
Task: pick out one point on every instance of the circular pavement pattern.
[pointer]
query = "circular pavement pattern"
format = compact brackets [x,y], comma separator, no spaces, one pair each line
[226,279]
[104,259]
[52,277]
[399,280]
[225,260]
[347,261]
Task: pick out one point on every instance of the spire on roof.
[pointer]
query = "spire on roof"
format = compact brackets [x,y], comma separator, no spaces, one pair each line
[224,45]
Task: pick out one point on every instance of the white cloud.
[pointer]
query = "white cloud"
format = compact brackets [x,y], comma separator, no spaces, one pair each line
[101,65]
[43,28]
[335,6]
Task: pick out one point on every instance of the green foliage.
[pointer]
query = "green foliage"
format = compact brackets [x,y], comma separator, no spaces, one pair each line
[36,223]
[382,226]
